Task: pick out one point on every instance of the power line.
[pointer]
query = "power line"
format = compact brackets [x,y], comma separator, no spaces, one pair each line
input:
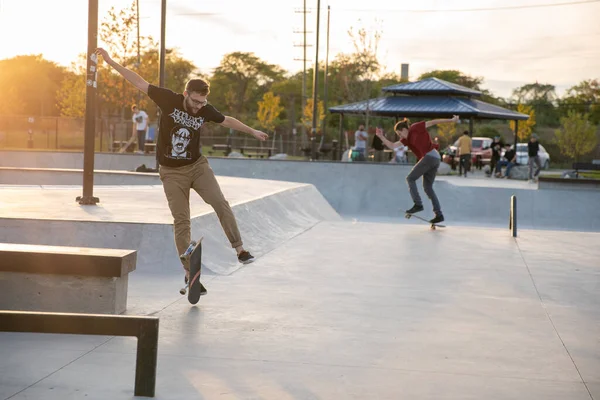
[468,9]
[395,10]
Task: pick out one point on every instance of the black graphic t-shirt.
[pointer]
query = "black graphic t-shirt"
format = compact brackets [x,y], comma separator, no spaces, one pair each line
[179,132]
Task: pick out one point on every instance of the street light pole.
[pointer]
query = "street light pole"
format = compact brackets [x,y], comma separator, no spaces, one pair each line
[316,84]
[139,62]
[161,65]
[90,108]
[326,73]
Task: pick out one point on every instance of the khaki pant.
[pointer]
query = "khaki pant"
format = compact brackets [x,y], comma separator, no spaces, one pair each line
[199,176]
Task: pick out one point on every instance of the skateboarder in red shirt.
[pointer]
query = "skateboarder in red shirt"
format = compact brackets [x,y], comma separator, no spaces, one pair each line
[416,137]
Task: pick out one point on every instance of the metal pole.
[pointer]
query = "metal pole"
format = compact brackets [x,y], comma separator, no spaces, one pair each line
[304,76]
[163,21]
[161,74]
[316,81]
[326,73]
[342,133]
[512,224]
[139,63]
[90,107]
[516,133]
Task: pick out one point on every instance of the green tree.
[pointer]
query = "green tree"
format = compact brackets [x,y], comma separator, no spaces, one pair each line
[577,136]
[29,85]
[356,74]
[71,95]
[525,127]
[454,76]
[307,118]
[583,98]
[118,35]
[541,97]
[446,132]
[268,111]
[240,81]
[460,78]
[114,93]
[289,89]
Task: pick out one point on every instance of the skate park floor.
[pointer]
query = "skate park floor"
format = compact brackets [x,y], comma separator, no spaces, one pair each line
[334,308]
[354,311]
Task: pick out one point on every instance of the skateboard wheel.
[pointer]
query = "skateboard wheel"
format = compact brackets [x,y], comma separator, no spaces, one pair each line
[182,291]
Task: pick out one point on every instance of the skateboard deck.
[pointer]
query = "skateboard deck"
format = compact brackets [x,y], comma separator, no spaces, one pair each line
[193,286]
[433,226]
[126,145]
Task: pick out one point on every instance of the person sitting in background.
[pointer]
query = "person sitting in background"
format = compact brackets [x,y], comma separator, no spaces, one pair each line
[509,161]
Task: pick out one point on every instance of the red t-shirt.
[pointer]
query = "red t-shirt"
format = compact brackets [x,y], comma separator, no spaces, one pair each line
[418,140]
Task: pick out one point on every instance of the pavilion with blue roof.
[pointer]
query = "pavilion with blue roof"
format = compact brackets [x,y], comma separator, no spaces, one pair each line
[429,98]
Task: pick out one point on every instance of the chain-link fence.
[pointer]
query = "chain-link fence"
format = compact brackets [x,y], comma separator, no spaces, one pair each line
[59,133]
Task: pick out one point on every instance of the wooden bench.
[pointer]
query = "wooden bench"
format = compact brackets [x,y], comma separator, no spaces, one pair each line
[149,147]
[246,150]
[585,167]
[64,279]
[222,147]
[258,151]
[144,328]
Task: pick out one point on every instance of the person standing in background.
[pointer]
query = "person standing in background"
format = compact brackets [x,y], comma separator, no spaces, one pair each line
[140,125]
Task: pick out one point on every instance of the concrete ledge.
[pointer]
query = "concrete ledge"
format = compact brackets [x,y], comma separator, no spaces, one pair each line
[64,279]
[568,184]
[68,176]
[63,293]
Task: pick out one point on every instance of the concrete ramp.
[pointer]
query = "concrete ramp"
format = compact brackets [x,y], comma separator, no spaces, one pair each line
[138,218]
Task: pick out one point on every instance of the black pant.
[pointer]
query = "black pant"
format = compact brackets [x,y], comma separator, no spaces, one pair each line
[464,162]
[494,165]
[141,136]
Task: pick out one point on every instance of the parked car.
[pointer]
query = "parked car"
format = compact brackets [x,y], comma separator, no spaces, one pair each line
[523,157]
[481,152]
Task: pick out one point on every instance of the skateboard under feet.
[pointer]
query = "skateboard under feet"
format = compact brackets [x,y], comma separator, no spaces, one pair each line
[433,226]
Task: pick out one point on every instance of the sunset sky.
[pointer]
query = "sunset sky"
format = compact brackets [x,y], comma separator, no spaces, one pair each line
[508,47]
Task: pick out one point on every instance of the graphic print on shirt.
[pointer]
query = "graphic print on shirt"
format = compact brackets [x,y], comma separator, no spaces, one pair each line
[181,135]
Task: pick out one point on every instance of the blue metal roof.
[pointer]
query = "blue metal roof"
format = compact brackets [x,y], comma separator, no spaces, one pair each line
[433,86]
[429,106]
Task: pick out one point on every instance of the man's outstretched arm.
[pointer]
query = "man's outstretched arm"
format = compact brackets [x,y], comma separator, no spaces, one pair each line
[128,74]
[440,121]
[233,123]
[391,145]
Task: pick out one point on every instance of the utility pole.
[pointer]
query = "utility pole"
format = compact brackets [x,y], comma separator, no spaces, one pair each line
[326,75]
[161,65]
[304,45]
[90,108]
[316,84]
[139,62]
[163,21]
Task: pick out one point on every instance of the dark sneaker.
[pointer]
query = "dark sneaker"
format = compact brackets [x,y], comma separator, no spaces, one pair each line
[437,219]
[415,209]
[245,257]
